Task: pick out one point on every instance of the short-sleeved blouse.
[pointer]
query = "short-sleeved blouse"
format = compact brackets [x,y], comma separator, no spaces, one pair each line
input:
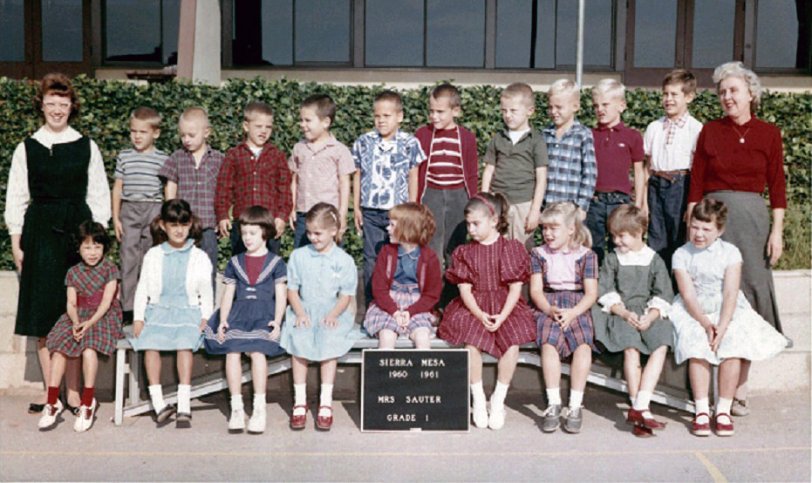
[564,270]
[706,266]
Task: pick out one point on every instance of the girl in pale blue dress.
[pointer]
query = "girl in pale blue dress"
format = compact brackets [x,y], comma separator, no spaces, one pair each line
[173,301]
[319,324]
[713,322]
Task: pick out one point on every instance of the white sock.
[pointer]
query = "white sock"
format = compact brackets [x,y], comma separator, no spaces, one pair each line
[478,393]
[259,402]
[576,398]
[156,395]
[723,406]
[300,394]
[236,402]
[702,406]
[184,398]
[642,401]
[499,394]
[326,398]
[553,396]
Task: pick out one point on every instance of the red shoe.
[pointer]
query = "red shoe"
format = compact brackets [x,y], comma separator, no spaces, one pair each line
[636,417]
[641,431]
[724,429]
[324,423]
[703,429]
[298,423]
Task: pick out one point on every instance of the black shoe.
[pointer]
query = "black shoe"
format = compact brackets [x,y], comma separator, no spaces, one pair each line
[162,418]
[35,408]
[183,421]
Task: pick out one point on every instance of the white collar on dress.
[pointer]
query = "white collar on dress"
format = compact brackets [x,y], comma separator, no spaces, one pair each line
[48,138]
[639,258]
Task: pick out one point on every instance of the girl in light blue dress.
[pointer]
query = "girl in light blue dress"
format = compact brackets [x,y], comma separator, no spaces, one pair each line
[173,301]
[319,324]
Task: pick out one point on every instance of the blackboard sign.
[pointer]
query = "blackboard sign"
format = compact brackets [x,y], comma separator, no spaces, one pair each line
[412,390]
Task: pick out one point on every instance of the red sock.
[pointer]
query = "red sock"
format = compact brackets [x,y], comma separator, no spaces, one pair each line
[53,395]
[87,396]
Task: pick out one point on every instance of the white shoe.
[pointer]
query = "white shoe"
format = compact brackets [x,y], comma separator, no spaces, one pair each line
[84,419]
[50,414]
[496,420]
[256,424]
[480,414]
[236,424]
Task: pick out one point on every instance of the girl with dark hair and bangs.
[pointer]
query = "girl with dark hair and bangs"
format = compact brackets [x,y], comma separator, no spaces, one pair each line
[173,302]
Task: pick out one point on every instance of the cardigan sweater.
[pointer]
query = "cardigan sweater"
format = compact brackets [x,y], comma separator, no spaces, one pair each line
[198,282]
[470,159]
[428,280]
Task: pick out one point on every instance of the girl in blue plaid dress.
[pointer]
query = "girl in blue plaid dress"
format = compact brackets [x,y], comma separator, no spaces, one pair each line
[564,286]
[91,324]
[406,283]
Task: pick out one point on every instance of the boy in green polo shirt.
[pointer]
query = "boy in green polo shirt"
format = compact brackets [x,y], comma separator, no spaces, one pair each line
[516,163]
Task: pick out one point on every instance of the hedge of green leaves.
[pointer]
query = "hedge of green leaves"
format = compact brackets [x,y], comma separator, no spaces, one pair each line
[106,106]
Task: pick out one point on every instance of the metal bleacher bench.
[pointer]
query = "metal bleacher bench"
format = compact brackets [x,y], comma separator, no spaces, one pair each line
[128,367]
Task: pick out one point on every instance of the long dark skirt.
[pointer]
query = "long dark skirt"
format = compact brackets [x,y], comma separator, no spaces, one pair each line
[748,227]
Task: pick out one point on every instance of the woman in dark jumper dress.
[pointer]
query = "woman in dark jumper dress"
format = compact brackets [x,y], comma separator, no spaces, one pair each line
[57,181]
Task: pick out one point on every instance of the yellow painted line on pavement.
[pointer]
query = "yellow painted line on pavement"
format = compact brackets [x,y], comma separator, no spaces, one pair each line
[717,475]
[386,454]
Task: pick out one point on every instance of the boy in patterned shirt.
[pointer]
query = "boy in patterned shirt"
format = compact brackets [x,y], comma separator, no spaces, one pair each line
[572,171]
[191,175]
[254,173]
[387,160]
[137,197]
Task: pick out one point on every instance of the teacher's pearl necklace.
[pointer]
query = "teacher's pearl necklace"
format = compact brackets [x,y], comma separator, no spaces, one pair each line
[741,136]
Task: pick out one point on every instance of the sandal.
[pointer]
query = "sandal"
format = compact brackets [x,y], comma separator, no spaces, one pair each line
[324,423]
[298,422]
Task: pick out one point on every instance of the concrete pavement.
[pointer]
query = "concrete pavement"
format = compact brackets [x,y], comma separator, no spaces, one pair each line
[772,444]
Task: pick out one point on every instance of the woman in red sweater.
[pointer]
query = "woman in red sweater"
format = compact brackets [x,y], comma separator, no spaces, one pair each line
[406,283]
[736,157]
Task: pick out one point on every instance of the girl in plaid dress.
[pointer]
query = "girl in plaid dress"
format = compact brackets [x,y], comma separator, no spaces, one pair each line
[91,324]
[490,314]
[406,283]
[564,286]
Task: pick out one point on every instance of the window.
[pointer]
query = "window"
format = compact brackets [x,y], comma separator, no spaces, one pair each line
[655,33]
[782,34]
[62,31]
[12,31]
[713,30]
[550,41]
[292,32]
[394,33]
[143,31]
[455,33]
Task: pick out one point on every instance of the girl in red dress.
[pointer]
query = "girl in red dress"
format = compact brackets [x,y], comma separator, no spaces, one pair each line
[490,314]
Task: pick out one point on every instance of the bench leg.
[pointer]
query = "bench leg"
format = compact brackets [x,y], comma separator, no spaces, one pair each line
[135,378]
[118,416]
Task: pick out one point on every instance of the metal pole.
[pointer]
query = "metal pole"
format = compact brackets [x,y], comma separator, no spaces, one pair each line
[579,46]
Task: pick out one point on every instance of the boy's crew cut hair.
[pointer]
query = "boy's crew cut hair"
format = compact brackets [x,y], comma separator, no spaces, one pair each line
[565,87]
[256,107]
[390,96]
[261,217]
[415,223]
[681,76]
[324,105]
[175,211]
[520,89]
[195,112]
[57,84]
[448,91]
[629,219]
[148,115]
[95,231]
[611,88]
[710,210]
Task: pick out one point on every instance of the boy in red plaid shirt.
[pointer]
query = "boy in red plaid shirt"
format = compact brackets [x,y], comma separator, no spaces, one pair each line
[254,172]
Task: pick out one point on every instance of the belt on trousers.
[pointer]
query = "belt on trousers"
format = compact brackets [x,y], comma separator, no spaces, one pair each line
[670,175]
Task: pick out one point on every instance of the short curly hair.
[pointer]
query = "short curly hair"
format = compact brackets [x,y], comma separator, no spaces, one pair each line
[57,84]
[737,69]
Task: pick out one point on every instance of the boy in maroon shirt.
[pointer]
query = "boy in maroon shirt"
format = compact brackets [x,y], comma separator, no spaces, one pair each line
[254,172]
[617,148]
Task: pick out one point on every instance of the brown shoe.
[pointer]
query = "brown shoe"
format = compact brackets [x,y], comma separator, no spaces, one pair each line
[298,423]
[324,423]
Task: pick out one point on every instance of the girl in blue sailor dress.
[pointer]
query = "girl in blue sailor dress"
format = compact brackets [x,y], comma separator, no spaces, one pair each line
[319,326]
[250,316]
[714,323]
[173,301]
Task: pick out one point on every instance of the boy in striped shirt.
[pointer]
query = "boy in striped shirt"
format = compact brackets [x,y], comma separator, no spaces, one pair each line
[137,197]
[449,176]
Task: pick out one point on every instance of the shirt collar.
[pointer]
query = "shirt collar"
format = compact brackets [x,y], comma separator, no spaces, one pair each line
[315,253]
[528,134]
[550,130]
[679,122]
[616,127]
[167,248]
[641,257]
[414,254]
